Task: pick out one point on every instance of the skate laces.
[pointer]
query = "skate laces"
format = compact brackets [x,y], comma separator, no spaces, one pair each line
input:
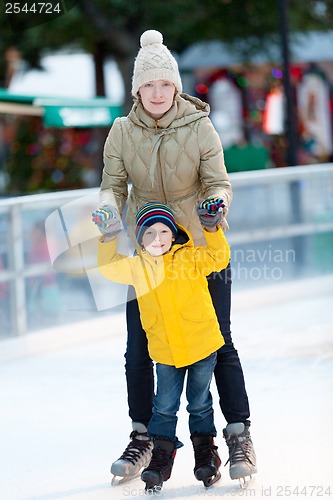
[160,459]
[239,448]
[204,455]
[136,448]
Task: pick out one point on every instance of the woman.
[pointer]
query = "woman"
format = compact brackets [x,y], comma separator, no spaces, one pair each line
[169,150]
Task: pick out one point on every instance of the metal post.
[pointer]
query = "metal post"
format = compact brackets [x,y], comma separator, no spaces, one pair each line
[290,112]
[294,186]
[16,254]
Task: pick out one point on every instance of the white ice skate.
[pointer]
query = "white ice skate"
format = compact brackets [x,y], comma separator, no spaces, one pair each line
[136,456]
[242,457]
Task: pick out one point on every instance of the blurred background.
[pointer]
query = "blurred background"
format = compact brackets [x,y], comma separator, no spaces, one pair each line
[265,68]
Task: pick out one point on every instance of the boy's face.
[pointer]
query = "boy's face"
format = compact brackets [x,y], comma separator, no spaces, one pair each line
[157,239]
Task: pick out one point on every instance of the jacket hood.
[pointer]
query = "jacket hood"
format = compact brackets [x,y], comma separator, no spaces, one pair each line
[185,109]
[183,238]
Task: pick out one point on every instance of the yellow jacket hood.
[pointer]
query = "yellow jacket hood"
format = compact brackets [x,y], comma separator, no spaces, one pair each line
[175,305]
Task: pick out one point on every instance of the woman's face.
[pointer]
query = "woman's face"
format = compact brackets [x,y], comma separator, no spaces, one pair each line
[157,97]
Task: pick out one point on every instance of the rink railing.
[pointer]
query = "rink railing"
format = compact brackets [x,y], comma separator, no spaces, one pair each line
[267,205]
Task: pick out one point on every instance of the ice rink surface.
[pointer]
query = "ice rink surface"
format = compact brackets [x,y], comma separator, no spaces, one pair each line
[63,414]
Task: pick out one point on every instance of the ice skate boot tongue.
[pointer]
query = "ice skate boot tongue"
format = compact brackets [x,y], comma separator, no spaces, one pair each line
[141,430]
[236,428]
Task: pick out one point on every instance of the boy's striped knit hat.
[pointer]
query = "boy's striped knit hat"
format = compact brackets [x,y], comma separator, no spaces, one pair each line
[149,214]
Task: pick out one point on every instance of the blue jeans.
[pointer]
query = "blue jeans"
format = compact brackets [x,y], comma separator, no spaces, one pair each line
[228,371]
[170,382]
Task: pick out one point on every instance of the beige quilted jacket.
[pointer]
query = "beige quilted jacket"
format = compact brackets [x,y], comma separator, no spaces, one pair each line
[176,160]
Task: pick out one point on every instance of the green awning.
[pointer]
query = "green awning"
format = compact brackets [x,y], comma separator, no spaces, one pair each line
[62,112]
[96,112]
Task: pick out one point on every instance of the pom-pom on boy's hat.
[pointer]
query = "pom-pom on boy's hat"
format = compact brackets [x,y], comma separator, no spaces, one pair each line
[149,214]
[154,62]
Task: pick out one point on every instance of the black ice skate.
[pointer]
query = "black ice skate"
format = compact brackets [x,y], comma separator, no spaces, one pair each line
[242,457]
[136,456]
[160,466]
[207,460]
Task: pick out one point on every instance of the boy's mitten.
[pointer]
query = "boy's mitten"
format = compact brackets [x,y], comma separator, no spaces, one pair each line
[210,211]
[108,220]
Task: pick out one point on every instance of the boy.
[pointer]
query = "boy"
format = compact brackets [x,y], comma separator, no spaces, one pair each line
[177,313]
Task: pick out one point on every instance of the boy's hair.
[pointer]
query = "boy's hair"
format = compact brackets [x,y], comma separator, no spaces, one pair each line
[151,213]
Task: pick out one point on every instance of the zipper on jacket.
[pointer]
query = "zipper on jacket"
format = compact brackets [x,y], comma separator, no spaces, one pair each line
[160,165]
[162,183]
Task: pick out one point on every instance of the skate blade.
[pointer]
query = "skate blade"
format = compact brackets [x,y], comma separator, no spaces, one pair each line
[212,480]
[244,482]
[153,483]
[152,489]
[118,480]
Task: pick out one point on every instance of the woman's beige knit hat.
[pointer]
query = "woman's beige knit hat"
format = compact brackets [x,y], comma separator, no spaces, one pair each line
[154,62]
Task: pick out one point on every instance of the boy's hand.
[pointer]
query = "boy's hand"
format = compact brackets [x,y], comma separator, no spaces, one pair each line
[210,211]
[108,220]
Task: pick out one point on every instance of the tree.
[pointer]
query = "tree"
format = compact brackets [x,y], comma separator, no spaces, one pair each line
[113,27]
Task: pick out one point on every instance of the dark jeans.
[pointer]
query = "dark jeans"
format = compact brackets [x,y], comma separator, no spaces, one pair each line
[228,371]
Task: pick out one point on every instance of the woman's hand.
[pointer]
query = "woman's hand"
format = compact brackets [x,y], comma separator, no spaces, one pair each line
[108,220]
[210,211]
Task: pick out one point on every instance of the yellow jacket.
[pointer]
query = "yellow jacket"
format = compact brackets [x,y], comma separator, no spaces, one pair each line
[175,305]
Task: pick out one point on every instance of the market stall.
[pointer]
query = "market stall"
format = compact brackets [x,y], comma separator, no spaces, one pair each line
[51,143]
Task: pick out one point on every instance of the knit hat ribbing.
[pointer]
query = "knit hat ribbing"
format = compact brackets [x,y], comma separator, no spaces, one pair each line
[154,62]
[150,214]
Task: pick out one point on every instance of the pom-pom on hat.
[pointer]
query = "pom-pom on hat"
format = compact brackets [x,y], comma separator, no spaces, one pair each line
[149,214]
[154,62]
